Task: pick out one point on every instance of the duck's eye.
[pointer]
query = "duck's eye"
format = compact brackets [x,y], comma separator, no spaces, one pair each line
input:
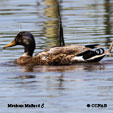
[25,41]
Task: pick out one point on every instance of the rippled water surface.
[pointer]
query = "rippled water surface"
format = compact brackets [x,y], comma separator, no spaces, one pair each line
[62,89]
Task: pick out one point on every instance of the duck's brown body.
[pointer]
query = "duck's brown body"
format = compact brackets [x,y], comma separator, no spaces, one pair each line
[55,56]
[61,59]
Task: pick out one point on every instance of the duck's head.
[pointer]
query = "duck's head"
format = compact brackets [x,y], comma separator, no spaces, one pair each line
[25,39]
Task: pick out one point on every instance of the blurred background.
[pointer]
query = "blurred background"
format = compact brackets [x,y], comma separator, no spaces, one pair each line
[63,89]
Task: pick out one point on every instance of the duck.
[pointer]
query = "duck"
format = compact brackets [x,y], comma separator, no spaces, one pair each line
[63,55]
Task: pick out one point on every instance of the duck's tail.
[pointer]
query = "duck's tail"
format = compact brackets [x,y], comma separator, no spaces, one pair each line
[95,56]
[90,56]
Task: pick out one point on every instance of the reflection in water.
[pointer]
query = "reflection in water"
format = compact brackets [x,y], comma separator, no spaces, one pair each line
[61,38]
[80,67]
[61,81]
[23,77]
[108,23]
[23,81]
[28,68]
[53,26]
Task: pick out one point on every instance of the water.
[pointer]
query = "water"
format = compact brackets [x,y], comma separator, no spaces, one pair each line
[62,89]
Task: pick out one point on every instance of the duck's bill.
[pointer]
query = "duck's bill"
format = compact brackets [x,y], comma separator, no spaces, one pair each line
[13,43]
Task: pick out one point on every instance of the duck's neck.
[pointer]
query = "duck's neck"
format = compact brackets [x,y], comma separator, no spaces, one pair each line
[28,51]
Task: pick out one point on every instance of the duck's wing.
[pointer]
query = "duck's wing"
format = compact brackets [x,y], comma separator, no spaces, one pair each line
[70,55]
[68,50]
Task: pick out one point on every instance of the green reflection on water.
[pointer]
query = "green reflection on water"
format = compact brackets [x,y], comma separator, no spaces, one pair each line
[52,24]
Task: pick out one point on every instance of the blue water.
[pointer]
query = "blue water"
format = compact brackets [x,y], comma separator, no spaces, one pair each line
[62,89]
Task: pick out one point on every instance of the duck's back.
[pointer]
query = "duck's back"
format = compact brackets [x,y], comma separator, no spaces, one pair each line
[68,50]
[65,55]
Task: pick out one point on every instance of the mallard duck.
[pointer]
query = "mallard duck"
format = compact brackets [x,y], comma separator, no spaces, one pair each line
[65,55]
